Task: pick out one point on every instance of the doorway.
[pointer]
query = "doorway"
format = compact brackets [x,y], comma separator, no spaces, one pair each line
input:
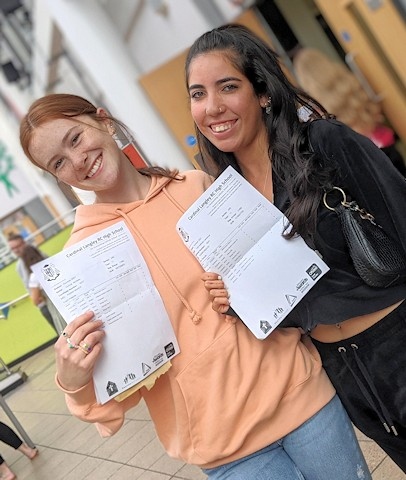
[368,35]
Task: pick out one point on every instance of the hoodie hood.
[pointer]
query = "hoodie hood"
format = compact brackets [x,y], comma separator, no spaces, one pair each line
[102,213]
[152,222]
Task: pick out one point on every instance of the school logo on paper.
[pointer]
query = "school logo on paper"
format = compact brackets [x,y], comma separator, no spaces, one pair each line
[145,368]
[278,312]
[183,234]
[50,272]
[169,350]
[313,271]
[264,325]
[158,359]
[291,299]
[129,378]
[111,388]
[302,285]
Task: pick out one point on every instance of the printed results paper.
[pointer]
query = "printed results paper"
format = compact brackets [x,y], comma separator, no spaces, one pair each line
[107,274]
[236,232]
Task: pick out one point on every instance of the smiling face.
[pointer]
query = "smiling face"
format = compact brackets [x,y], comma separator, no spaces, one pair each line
[224,105]
[79,151]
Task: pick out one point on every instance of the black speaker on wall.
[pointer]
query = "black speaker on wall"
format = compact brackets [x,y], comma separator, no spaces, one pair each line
[10,72]
[9,6]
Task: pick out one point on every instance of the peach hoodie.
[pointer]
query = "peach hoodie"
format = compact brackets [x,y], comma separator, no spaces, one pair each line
[227,393]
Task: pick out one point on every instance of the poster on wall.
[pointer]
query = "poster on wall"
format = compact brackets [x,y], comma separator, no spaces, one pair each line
[15,188]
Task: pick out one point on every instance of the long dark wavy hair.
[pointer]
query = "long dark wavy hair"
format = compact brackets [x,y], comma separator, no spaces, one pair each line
[30,256]
[293,162]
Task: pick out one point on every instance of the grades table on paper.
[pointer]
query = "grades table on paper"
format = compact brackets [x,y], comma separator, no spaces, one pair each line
[107,274]
[236,232]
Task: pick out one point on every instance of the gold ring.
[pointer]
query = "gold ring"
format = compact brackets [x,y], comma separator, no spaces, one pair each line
[85,346]
[70,343]
[84,350]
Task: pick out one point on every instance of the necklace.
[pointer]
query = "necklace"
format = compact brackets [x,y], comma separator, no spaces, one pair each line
[266,178]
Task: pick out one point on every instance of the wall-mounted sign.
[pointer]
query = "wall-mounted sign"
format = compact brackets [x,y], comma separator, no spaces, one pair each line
[345,36]
[15,189]
[191,140]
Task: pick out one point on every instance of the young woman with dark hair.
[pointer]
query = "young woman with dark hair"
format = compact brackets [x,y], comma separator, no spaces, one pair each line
[249,115]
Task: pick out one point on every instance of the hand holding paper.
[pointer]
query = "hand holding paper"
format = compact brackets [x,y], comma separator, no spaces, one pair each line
[236,232]
[107,274]
[75,370]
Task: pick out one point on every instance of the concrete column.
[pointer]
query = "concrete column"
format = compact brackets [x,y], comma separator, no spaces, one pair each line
[17,101]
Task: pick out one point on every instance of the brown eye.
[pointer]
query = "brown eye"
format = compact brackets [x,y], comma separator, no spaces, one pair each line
[58,163]
[196,95]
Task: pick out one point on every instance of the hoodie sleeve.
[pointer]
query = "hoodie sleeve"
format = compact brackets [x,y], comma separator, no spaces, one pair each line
[108,418]
[366,174]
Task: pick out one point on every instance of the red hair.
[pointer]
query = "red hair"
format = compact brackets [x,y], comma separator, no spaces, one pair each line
[52,107]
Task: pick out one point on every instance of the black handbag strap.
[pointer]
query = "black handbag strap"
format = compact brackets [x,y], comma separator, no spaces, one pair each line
[338,201]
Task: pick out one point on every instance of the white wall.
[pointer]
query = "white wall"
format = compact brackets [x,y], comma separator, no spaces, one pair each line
[96,39]
[230,9]
[9,129]
[155,38]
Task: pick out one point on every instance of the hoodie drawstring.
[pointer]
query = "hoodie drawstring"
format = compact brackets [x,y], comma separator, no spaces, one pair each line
[194,316]
[383,413]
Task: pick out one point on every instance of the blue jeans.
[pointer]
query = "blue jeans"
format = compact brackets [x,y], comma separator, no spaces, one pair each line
[324,447]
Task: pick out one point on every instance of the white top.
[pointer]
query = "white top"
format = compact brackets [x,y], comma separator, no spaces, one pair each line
[34,283]
[23,273]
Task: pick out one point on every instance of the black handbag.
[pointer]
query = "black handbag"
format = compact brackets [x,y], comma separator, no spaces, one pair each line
[377,258]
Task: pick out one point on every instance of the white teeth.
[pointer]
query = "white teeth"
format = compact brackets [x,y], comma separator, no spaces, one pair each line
[94,168]
[221,128]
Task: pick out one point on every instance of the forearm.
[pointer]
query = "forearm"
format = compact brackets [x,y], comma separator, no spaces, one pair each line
[108,418]
[36,297]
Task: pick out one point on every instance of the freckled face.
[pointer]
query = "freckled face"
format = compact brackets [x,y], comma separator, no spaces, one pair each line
[79,152]
[224,105]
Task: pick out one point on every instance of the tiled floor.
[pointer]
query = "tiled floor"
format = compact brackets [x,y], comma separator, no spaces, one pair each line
[73,450]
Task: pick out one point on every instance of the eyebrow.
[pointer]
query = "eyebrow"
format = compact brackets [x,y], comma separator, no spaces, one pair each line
[63,142]
[218,82]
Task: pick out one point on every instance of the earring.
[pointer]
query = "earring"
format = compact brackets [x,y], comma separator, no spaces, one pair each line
[113,131]
[268,106]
